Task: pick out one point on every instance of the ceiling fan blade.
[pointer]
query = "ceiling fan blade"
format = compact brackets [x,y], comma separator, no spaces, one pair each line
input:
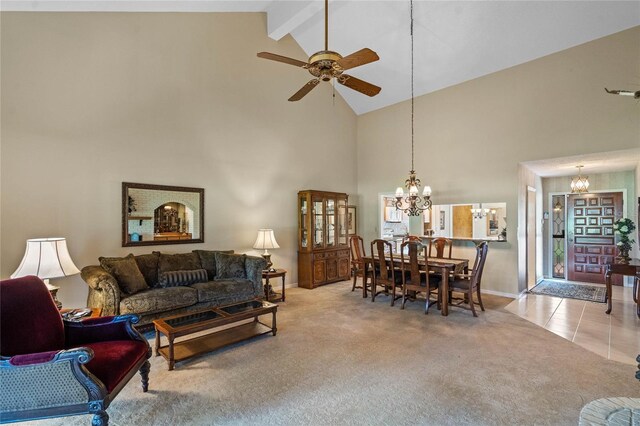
[359,85]
[279,58]
[361,57]
[305,89]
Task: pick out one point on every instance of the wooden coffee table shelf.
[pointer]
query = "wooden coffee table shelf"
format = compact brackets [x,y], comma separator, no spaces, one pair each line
[194,322]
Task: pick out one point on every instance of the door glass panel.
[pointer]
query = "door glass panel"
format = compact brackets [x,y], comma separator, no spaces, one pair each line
[318,223]
[342,222]
[331,217]
[304,232]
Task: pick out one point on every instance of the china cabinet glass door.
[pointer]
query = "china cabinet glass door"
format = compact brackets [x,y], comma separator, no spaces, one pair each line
[304,231]
[318,222]
[342,222]
[331,222]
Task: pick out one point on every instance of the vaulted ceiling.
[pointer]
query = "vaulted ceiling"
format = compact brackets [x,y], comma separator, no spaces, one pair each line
[455,41]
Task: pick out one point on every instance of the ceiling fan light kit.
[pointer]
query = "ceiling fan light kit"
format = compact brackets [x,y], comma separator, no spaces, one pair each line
[327,65]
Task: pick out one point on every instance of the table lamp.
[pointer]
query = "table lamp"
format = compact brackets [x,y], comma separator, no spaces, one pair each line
[47,258]
[265,241]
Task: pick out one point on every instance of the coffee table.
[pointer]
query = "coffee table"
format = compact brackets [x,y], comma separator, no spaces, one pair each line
[214,318]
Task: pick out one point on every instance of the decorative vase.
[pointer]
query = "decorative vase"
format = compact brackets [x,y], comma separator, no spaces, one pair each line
[624,257]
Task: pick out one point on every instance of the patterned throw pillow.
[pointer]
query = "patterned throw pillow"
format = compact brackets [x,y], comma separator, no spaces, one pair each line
[178,278]
[125,270]
[178,262]
[230,265]
[208,260]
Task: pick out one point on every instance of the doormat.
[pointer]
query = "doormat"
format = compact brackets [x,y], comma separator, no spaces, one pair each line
[587,292]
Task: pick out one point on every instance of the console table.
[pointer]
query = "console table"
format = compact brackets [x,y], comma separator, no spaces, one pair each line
[631,269]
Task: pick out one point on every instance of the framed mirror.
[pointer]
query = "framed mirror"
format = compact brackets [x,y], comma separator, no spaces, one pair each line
[161,214]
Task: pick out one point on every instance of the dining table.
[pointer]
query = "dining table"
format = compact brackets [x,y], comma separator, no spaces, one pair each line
[442,266]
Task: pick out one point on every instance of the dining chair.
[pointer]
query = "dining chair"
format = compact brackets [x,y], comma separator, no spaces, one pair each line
[414,279]
[358,267]
[440,244]
[385,273]
[469,283]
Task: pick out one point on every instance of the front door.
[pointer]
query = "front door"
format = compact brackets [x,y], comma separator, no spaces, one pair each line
[592,242]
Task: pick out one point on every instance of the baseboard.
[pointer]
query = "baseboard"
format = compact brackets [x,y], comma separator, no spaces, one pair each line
[501,293]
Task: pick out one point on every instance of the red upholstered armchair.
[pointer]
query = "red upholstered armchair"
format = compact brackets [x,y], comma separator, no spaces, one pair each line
[51,368]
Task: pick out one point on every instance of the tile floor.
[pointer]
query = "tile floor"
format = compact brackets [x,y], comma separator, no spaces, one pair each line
[615,336]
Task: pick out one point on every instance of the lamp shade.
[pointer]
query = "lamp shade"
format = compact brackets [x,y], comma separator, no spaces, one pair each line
[266,240]
[46,258]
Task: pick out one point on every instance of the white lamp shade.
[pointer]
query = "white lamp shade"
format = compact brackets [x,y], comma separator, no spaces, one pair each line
[265,240]
[46,258]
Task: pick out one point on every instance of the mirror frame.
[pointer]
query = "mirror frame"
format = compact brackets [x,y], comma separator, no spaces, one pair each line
[125,213]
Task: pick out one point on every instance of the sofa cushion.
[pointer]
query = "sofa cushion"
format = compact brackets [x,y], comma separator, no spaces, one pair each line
[224,291]
[148,264]
[178,262]
[112,360]
[208,260]
[230,266]
[177,278]
[158,300]
[125,270]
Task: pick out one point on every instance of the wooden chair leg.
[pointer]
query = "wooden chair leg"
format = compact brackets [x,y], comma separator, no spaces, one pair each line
[355,278]
[393,294]
[471,304]
[480,299]
[373,290]
[364,286]
[404,297]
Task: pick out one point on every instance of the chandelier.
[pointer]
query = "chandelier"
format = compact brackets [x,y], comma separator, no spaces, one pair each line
[415,203]
[580,184]
[480,212]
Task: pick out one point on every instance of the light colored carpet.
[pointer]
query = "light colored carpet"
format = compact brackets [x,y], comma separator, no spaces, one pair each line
[340,359]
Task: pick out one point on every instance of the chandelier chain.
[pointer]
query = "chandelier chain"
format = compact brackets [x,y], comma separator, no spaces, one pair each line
[412,119]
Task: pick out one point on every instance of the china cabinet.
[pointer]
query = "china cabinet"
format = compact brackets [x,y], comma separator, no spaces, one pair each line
[323,247]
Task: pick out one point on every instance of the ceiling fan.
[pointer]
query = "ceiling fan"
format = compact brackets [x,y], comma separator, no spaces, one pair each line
[635,94]
[326,65]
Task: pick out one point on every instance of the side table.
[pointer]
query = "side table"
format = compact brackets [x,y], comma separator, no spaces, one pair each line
[631,269]
[269,294]
[95,312]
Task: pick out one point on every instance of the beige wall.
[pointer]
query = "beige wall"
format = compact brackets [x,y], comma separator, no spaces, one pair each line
[470,138]
[90,100]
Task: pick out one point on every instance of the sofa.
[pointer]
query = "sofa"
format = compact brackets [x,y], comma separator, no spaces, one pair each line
[158,285]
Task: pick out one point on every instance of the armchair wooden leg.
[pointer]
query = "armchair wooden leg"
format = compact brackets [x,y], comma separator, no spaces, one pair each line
[144,374]
[101,418]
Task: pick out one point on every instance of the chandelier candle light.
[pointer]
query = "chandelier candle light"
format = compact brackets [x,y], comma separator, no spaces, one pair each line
[416,204]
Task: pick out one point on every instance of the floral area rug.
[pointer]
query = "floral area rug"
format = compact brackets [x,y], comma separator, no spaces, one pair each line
[591,293]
